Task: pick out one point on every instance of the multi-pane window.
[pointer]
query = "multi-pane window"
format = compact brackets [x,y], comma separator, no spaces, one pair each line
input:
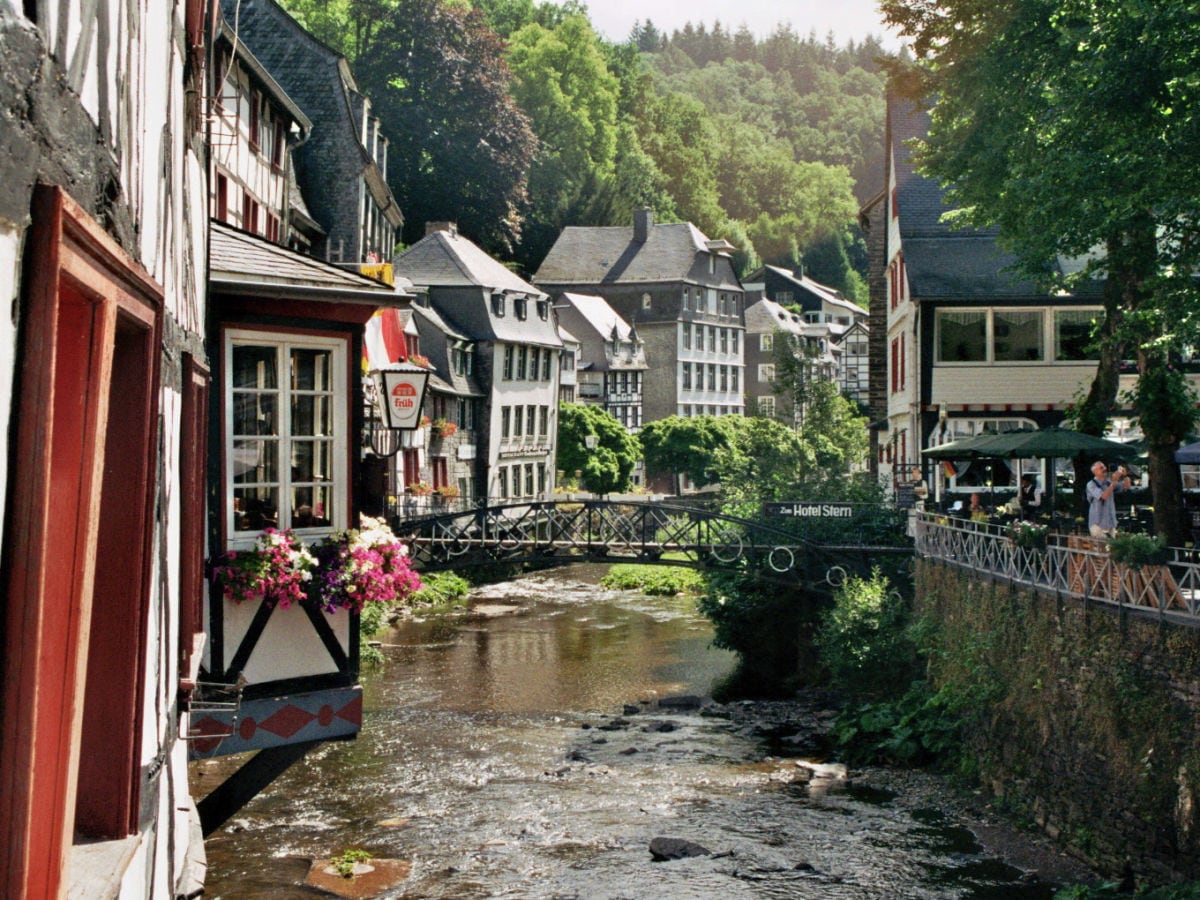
[1017,335]
[766,407]
[725,378]
[962,336]
[687,333]
[502,482]
[528,479]
[509,350]
[724,340]
[505,421]
[518,421]
[498,305]
[733,378]
[541,472]
[766,342]
[286,440]
[530,419]
[712,339]
[520,307]
[1073,334]
[535,362]
[687,376]
[766,373]
[734,344]
[522,362]
[547,362]
[712,376]
[544,421]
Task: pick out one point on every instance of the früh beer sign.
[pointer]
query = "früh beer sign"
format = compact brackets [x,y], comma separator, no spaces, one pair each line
[399,394]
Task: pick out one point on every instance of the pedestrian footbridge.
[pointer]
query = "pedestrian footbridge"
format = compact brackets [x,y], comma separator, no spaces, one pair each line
[813,550]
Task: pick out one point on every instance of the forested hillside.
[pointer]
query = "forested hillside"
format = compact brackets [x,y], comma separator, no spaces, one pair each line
[514,119]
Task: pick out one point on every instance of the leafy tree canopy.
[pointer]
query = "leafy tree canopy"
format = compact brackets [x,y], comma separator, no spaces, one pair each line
[687,445]
[1072,126]
[460,147]
[608,466]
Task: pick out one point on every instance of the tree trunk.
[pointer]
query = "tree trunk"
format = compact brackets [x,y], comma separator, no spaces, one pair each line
[1121,292]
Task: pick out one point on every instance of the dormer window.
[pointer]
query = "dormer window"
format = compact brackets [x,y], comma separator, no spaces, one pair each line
[520,307]
[646,300]
[498,305]
[543,308]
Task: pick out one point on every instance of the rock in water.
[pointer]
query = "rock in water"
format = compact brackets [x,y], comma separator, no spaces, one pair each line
[664,848]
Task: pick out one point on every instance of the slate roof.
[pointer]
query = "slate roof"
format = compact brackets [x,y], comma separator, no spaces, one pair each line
[599,315]
[460,278]
[445,259]
[945,262]
[610,255]
[242,261]
[765,316]
[824,292]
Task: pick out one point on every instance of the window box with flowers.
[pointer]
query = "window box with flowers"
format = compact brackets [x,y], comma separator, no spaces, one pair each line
[418,360]
[282,597]
[442,428]
[447,492]
[419,488]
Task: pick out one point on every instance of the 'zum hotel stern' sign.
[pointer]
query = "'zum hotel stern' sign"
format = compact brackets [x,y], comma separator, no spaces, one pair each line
[802,510]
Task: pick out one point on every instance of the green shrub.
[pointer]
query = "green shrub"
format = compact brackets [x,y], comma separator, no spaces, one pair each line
[863,640]
[918,728]
[658,581]
[1138,550]
[441,589]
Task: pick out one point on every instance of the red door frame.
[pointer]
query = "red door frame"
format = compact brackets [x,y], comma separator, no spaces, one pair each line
[86,302]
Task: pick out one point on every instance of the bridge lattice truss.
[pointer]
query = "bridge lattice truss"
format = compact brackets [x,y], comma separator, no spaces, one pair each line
[564,532]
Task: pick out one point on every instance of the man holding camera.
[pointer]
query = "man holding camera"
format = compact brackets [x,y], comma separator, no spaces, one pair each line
[1102,509]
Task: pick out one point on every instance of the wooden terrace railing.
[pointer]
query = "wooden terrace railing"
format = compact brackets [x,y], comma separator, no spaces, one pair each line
[1069,565]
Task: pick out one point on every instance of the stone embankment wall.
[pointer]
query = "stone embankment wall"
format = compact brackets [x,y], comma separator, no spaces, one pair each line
[1085,719]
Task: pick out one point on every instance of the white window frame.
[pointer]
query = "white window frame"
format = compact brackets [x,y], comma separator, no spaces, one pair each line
[339,453]
[766,373]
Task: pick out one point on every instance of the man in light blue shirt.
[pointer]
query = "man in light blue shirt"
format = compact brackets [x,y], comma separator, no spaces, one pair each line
[1102,509]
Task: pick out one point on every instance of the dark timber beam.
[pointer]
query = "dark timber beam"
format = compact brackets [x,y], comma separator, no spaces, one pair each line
[248,782]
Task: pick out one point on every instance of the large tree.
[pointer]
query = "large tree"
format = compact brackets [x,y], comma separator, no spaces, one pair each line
[561,80]
[608,464]
[681,445]
[460,147]
[1072,126]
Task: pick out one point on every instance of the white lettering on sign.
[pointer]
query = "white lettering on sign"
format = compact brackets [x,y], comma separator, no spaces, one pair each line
[812,510]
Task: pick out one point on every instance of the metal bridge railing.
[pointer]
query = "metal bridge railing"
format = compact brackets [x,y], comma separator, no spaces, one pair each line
[1069,565]
[641,531]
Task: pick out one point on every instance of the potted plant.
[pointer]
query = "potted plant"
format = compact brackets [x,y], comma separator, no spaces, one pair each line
[1138,550]
[447,491]
[419,488]
[1140,561]
[1028,535]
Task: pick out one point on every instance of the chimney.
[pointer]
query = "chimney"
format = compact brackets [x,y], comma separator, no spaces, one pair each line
[451,228]
[643,220]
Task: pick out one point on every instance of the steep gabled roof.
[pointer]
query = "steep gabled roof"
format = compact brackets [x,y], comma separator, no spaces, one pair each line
[825,293]
[764,316]
[599,316]
[610,255]
[443,259]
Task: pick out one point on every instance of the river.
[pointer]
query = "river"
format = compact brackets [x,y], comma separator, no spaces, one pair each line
[530,749]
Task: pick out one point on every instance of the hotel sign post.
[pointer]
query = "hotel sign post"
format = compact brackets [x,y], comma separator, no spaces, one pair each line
[798,509]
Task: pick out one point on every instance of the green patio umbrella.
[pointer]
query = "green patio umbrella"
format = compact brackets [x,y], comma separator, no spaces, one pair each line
[1052,443]
[963,448]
